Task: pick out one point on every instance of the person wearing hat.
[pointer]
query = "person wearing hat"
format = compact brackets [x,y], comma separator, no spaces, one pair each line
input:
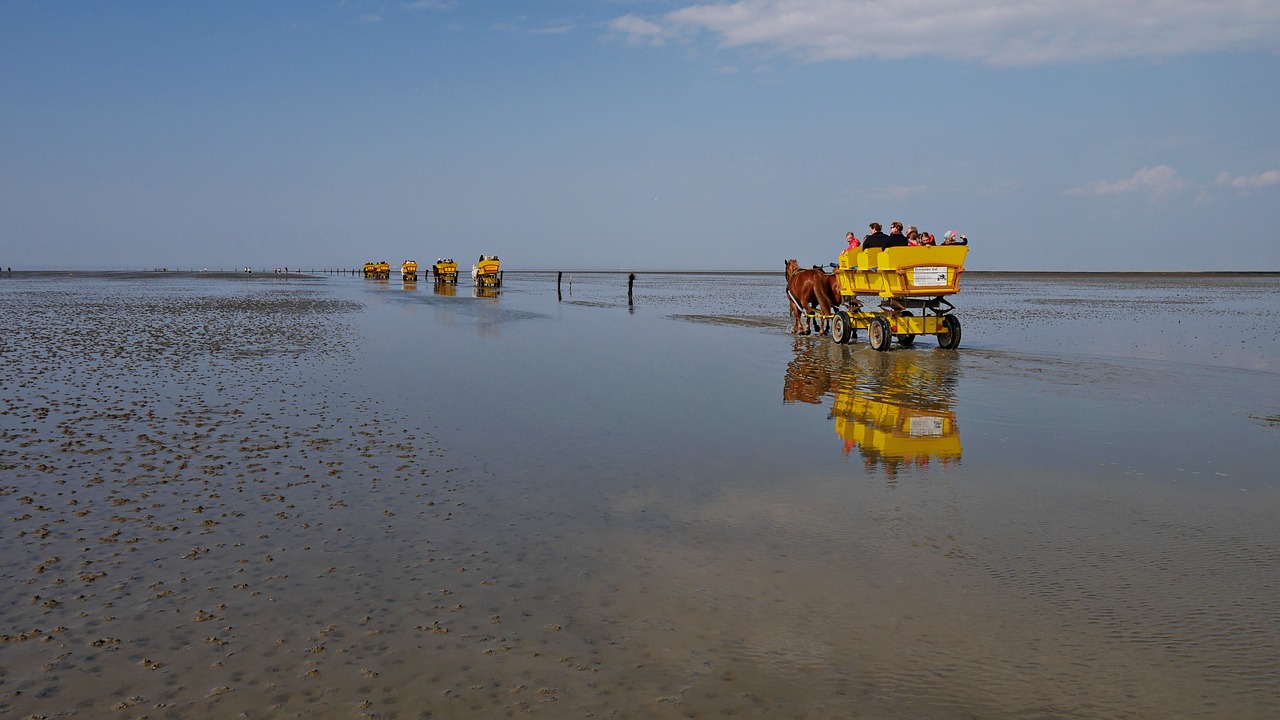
[954,238]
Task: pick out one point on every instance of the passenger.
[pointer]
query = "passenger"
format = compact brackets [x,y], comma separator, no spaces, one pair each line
[927,239]
[896,238]
[875,240]
[852,240]
[913,237]
[954,238]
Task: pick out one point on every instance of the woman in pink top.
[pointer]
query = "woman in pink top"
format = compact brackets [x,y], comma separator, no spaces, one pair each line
[853,241]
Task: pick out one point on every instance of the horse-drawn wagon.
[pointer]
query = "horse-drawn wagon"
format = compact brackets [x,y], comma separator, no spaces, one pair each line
[377,270]
[409,270]
[446,271]
[903,278]
[486,272]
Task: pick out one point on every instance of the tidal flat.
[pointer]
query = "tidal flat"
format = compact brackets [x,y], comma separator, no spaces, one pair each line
[322,496]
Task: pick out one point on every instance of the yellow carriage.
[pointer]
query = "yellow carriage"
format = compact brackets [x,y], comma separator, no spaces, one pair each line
[446,271]
[487,272]
[903,278]
[380,269]
[409,270]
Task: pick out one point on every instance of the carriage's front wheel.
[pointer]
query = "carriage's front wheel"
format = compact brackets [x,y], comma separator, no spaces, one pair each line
[841,327]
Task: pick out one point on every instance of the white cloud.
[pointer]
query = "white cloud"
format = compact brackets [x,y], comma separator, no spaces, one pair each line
[1158,181]
[1249,182]
[997,32]
[638,31]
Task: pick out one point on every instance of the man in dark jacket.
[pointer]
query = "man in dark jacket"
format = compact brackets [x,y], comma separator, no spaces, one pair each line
[875,239]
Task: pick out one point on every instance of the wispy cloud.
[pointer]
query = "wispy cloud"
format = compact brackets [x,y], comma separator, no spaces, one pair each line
[1248,182]
[638,31]
[1156,182]
[996,32]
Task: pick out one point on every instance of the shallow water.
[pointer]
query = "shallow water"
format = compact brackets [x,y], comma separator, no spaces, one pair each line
[282,497]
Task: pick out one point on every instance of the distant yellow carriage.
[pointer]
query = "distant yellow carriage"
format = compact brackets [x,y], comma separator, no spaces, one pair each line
[409,270]
[903,278]
[378,270]
[487,272]
[446,271]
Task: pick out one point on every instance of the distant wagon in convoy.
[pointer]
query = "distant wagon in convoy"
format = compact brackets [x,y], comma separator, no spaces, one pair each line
[486,272]
[409,270]
[445,271]
[904,279]
[377,270]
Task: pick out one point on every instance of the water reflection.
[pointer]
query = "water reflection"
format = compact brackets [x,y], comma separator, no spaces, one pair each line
[484,291]
[446,289]
[895,409]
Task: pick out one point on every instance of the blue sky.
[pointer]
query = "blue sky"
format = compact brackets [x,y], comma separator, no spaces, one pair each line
[561,134]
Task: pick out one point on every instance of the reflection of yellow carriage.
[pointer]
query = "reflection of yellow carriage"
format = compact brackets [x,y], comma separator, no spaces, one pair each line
[895,411]
[903,278]
[409,270]
[487,271]
[446,271]
[380,269]
[891,432]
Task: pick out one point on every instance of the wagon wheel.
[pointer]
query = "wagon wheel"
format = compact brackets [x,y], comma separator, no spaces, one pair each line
[906,340]
[950,340]
[878,334]
[841,327]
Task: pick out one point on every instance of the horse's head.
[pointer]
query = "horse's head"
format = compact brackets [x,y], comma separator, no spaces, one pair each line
[793,266]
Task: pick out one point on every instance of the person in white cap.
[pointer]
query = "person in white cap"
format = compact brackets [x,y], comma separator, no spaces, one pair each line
[954,238]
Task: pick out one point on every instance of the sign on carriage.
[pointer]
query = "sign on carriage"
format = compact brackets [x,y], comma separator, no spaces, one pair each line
[928,276]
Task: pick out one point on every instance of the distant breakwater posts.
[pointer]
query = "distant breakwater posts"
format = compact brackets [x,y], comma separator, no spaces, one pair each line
[302,272]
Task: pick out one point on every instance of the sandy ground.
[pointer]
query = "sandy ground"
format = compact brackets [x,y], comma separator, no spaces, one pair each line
[201,516]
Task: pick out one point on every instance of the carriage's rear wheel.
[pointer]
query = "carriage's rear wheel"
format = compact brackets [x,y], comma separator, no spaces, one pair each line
[950,340]
[878,334]
[841,327]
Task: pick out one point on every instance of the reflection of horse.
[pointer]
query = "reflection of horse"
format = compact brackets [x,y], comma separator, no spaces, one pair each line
[808,290]
[811,376]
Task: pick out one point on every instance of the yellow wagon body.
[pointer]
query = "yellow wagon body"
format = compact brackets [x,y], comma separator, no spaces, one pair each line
[446,271]
[487,270]
[903,278]
[377,269]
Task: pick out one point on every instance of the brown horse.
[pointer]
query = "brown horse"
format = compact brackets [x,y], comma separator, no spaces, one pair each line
[807,290]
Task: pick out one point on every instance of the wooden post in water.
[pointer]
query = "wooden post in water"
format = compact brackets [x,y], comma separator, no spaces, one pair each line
[631,280]
[559,275]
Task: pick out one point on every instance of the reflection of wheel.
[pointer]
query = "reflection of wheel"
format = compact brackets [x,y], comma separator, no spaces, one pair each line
[841,327]
[906,340]
[950,340]
[878,334]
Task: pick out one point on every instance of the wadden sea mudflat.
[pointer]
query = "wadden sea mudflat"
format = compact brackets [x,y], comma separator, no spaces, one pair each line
[260,497]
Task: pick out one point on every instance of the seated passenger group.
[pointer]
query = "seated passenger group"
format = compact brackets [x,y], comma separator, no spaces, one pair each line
[876,239]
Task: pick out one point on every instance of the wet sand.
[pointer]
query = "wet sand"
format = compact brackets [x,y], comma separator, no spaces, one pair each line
[294,497]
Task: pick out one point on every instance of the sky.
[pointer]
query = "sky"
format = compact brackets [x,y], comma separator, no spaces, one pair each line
[1090,135]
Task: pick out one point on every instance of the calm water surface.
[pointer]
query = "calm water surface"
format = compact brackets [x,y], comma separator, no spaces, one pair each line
[428,502]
